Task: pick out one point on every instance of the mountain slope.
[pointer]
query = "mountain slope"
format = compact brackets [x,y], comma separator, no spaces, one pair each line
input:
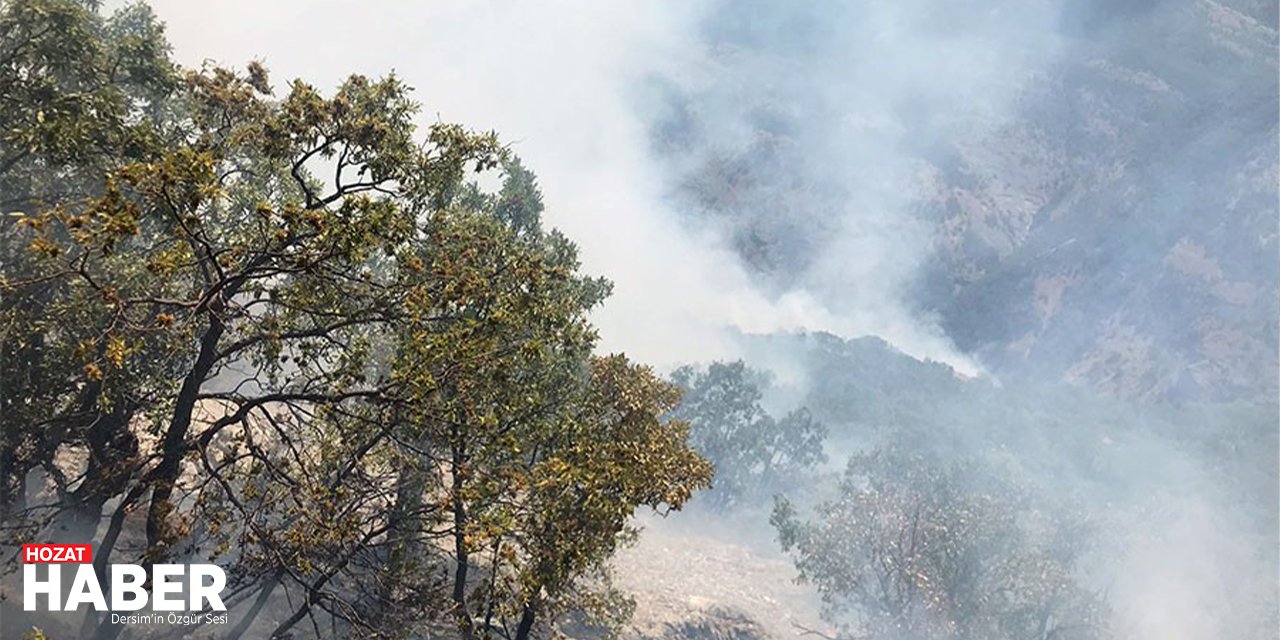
[1093,200]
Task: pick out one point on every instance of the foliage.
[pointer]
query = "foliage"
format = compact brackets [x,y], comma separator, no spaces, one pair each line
[284,334]
[78,88]
[910,550]
[753,452]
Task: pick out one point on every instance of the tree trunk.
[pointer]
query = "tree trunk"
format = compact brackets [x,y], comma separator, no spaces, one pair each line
[111,447]
[174,445]
[460,551]
[526,622]
[12,484]
[403,529]
[252,614]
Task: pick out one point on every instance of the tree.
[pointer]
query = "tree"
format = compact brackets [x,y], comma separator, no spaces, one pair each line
[78,92]
[547,450]
[911,551]
[286,335]
[753,452]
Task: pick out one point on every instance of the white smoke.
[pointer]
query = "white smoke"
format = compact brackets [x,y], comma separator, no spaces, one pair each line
[558,80]
[562,80]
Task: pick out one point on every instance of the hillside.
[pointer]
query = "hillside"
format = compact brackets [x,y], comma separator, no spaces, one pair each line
[1093,213]
[1110,234]
[1180,497]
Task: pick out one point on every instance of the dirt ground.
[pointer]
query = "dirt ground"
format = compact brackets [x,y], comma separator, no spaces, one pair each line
[688,576]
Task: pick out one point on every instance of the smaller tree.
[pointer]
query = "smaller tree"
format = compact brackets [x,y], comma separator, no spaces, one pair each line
[912,551]
[753,452]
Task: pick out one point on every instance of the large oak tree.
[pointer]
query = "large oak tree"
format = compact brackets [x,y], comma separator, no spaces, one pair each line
[287,334]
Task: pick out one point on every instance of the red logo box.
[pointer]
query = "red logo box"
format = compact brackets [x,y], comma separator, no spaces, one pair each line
[57,553]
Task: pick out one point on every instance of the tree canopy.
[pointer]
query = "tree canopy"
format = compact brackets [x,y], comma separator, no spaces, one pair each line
[289,334]
[754,453]
[911,550]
